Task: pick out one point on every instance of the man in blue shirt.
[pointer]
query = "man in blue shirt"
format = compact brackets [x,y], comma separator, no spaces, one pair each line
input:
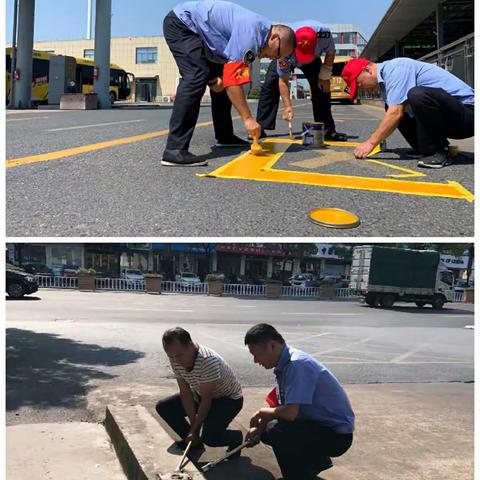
[313,40]
[313,419]
[205,37]
[425,102]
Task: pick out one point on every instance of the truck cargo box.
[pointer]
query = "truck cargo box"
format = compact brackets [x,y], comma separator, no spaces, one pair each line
[376,268]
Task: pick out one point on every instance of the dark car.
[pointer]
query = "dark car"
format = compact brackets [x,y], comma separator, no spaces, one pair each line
[37,268]
[20,283]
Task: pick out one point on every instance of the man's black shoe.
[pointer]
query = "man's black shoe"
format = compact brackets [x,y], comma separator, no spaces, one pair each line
[437,160]
[181,158]
[231,142]
[333,136]
[235,442]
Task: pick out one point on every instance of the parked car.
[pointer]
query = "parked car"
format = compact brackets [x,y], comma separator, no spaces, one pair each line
[133,275]
[236,279]
[304,280]
[20,283]
[70,270]
[37,268]
[187,278]
[461,285]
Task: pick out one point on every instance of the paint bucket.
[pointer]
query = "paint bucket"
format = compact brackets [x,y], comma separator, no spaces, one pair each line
[313,134]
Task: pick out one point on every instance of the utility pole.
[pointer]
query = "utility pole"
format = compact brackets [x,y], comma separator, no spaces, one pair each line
[13,56]
[89,20]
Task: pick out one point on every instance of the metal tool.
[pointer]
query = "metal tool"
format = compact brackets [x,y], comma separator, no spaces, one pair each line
[290,130]
[179,466]
[210,465]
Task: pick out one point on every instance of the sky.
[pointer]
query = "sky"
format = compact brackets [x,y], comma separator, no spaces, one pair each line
[67,20]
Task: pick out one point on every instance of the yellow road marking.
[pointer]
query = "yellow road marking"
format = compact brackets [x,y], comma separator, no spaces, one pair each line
[260,168]
[69,152]
[408,172]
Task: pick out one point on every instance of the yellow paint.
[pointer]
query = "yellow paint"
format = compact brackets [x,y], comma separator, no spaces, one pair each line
[69,152]
[251,167]
[334,217]
[408,172]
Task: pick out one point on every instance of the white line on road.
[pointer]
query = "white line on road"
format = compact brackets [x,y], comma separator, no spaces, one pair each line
[323,314]
[93,125]
[21,119]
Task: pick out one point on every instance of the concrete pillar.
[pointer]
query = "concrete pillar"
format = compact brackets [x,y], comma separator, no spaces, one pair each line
[296,266]
[270,267]
[48,256]
[23,86]
[214,262]
[150,261]
[440,21]
[83,260]
[89,20]
[243,259]
[103,21]
[322,265]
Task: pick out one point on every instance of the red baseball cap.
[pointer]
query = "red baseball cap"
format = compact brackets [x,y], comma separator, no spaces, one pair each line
[306,43]
[351,71]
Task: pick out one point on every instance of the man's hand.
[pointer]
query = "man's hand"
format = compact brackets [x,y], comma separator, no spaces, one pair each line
[194,438]
[324,85]
[252,437]
[288,114]
[364,149]
[261,417]
[253,128]
[216,85]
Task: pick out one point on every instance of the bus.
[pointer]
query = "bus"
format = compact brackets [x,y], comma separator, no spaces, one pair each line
[337,84]
[120,81]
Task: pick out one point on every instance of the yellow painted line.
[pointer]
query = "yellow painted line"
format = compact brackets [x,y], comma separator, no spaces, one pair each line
[69,152]
[259,168]
[408,172]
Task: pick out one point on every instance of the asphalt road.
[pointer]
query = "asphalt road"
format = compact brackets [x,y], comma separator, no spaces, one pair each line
[123,191]
[64,346]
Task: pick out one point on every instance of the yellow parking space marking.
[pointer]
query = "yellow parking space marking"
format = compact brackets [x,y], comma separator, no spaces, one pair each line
[260,168]
[408,172]
[69,152]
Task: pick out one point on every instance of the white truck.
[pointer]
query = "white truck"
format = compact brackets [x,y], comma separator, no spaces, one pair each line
[385,275]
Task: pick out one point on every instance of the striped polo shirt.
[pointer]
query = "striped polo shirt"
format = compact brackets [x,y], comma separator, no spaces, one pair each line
[210,367]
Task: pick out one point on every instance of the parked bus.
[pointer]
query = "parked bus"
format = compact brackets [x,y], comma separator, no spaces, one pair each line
[337,84]
[120,81]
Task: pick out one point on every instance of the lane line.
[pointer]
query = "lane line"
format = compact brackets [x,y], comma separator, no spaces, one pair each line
[8,120]
[416,349]
[93,125]
[69,152]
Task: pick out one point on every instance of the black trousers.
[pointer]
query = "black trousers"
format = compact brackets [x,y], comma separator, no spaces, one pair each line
[437,117]
[195,70]
[300,445]
[270,97]
[214,430]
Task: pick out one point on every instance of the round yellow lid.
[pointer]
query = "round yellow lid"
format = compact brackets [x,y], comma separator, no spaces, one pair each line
[333,218]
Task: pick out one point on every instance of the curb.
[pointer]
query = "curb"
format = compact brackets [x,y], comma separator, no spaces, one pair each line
[141,445]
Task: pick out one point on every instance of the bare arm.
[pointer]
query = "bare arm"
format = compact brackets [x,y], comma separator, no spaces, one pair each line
[237,97]
[326,72]
[387,126]
[207,391]
[285,94]
[187,399]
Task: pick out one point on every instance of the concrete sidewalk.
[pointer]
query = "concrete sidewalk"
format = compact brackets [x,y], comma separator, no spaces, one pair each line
[403,431]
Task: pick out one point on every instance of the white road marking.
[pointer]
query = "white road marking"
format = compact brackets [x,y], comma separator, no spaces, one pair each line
[418,348]
[323,314]
[93,125]
[21,119]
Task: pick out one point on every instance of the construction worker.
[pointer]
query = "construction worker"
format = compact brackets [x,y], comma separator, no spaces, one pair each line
[309,418]
[213,44]
[425,102]
[313,39]
[209,394]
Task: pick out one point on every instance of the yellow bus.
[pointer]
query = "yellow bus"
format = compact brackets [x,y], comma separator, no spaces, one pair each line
[337,84]
[120,81]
